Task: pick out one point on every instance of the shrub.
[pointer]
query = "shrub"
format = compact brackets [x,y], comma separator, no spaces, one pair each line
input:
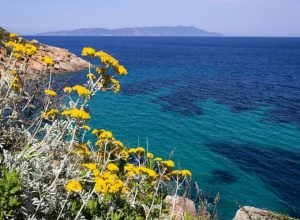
[64,174]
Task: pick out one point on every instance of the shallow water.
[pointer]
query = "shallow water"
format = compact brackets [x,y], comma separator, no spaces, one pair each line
[228,107]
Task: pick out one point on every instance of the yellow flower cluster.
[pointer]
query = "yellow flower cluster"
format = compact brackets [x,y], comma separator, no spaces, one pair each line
[137,150]
[73,186]
[116,85]
[47,60]
[50,92]
[107,59]
[81,149]
[90,166]
[119,69]
[85,127]
[16,84]
[67,89]
[118,144]
[13,36]
[112,167]
[102,134]
[108,182]
[91,76]
[19,49]
[77,114]
[30,49]
[149,155]
[81,90]
[158,159]
[88,52]
[132,170]
[123,155]
[181,173]
[110,60]
[101,70]
[168,163]
[53,113]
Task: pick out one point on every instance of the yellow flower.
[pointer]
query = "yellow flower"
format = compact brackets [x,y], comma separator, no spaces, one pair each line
[116,85]
[81,90]
[147,171]
[13,36]
[101,70]
[117,143]
[88,52]
[90,166]
[121,70]
[181,173]
[47,60]
[112,167]
[158,159]
[77,114]
[149,155]
[67,89]
[50,92]
[91,76]
[53,113]
[107,59]
[16,85]
[73,186]
[137,150]
[108,182]
[30,49]
[131,170]
[100,186]
[82,149]
[168,163]
[123,155]
[102,134]
[86,127]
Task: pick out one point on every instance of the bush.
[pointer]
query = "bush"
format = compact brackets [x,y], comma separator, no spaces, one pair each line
[64,174]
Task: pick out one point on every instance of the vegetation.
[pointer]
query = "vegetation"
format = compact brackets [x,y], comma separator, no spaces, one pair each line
[50,170]
[10,187]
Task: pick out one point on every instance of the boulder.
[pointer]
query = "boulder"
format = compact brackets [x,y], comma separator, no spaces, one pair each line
[252,213]
[64,60]
[180,206]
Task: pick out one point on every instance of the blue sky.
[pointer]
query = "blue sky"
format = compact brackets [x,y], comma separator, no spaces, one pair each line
[230,17]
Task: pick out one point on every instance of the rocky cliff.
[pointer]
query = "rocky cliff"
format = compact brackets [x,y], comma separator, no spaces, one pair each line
[64,60]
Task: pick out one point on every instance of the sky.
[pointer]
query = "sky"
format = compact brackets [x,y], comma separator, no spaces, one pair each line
[229,17]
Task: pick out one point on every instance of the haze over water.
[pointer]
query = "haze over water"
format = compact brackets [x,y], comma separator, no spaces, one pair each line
[228,107]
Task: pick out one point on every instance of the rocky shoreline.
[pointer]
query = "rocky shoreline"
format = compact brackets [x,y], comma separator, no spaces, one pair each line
[65,61]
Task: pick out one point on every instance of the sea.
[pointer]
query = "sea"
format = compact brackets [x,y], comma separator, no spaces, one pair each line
[227,108]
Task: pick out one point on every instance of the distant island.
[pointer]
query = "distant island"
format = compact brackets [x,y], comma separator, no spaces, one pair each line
[163,31]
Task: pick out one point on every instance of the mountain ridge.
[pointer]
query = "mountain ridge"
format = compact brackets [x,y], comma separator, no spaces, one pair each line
[176,31]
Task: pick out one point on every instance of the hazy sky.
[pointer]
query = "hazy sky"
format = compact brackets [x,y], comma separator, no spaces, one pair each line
[230,17]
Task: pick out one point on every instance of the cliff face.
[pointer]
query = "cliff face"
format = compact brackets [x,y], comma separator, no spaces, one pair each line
[64,60]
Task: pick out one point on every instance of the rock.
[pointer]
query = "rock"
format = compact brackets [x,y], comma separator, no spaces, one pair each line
[36,65]
[64,60]
[252,213]
[182,206]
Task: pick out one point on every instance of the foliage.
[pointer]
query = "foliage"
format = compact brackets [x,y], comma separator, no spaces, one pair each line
[10,189]
[65,175]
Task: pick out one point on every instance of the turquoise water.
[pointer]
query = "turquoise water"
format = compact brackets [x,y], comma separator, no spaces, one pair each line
[229,108]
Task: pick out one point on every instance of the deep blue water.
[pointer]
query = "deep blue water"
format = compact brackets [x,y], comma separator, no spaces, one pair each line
[228,107]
